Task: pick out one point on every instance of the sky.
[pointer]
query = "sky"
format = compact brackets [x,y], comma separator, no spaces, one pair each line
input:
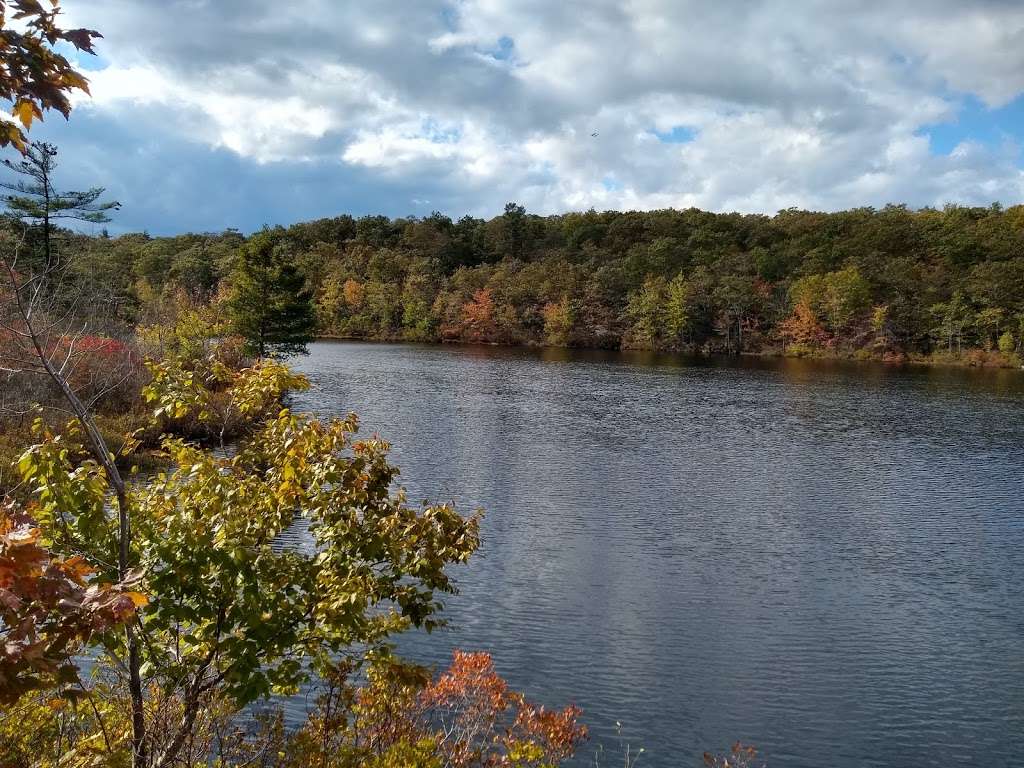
[209,114]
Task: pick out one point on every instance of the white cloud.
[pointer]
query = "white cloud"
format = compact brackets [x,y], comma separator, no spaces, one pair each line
[393,147]
[820,104]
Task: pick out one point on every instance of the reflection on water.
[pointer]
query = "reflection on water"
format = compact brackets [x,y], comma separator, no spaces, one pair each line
[821,559]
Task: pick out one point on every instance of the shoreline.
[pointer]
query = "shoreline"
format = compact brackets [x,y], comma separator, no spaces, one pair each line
[977,359]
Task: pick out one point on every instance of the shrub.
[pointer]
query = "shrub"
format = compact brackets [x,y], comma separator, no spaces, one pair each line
[467,717]
[1007,344]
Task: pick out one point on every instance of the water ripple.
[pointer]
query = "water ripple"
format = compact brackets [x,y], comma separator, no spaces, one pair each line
[824,560]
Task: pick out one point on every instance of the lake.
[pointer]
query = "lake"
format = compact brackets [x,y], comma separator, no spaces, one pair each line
[824,560]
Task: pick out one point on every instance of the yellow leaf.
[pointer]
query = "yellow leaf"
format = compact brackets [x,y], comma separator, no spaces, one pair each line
[75,80]
[17,139]
[23,111]
[138,599]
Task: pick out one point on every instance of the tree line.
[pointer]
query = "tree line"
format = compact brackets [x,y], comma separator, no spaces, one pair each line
[890,283]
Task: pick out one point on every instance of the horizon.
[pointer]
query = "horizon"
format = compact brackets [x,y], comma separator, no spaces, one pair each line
[96,230]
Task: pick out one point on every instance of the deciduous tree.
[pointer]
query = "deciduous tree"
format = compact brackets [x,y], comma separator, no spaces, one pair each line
[49,607]
[234,616]
[34,77]
[646,309]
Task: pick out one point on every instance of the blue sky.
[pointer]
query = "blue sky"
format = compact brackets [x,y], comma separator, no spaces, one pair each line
[973,121]
[239,113]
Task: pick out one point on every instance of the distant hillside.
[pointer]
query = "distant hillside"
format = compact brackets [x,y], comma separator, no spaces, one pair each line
[871,283]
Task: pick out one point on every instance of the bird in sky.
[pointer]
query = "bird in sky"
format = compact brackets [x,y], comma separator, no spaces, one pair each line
[594,133]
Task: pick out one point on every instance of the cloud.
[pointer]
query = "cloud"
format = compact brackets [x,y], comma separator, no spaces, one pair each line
[750,105]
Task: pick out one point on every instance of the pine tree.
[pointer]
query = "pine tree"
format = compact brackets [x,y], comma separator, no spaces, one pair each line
[39,205]
[269,305]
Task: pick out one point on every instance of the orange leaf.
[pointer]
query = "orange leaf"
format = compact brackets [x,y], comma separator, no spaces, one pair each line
[77,567]
[23,537]
[138,599]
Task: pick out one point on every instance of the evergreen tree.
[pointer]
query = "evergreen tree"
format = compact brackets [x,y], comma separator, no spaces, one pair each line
[38,204]
[269,305]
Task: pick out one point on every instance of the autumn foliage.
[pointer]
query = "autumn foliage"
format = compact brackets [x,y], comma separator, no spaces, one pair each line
[34,77]
[48,608]
[477,317]
[803,328]
[467,717]
[740,756]
[471,709]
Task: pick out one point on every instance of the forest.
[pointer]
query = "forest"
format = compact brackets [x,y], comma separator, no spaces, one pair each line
[894,284]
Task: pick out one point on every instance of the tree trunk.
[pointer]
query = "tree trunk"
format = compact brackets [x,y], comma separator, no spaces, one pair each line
[46,219]
[101,453]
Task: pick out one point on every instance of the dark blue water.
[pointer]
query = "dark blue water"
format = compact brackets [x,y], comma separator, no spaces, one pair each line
[823,560]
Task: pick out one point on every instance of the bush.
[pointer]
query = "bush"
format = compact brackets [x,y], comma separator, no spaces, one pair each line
[1007,344]
[105,373]
[800,350]
[740,756]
